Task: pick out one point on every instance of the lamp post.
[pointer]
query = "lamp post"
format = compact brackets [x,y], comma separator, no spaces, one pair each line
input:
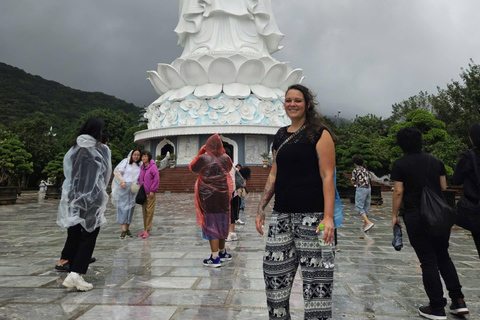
[338,117]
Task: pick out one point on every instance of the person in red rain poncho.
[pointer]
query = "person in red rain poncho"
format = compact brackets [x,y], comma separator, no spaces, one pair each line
[213,191]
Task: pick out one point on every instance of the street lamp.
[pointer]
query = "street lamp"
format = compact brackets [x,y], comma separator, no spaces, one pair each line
[338,117]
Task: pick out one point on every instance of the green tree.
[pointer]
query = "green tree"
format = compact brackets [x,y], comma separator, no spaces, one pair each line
[436,139]
[40,141]
[14,164]
[54,169]
[459,105]
[421,101]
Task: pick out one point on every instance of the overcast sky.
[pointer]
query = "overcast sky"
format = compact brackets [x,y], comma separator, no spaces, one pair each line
[359,56]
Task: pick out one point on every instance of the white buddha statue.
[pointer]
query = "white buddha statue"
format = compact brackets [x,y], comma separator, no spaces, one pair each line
[245,26]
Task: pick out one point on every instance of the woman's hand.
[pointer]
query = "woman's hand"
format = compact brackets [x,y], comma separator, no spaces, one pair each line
[150,195]
[396,220]
[123,185]
[329,230]
[259,222]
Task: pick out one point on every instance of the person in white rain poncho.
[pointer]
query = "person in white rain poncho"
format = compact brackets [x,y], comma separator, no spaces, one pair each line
[87,168]
[124,190]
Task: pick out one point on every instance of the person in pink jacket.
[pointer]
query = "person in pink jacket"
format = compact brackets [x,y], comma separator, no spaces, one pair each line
[150,179]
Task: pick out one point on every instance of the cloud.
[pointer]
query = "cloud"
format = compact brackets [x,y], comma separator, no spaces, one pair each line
[358,56]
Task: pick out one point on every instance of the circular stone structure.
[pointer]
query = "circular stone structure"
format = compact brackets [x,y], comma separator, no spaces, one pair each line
[225,82]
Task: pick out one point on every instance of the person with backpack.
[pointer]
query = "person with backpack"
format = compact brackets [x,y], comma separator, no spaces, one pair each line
[411,173]
[467,173]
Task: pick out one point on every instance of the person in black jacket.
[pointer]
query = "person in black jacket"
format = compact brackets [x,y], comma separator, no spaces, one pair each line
[467,172]
[410,173]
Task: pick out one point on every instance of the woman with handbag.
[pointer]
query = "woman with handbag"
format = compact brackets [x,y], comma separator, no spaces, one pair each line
[149,179]
[412,174]
[125,189]
[467,173]
[87,168]
[302,179]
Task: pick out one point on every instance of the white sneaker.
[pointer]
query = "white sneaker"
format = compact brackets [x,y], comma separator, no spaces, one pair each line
[232,236]
[368,227]
[239,222]
[74,280]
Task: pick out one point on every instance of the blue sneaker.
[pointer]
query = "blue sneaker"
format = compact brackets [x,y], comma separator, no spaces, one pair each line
[214,263]
[225,256]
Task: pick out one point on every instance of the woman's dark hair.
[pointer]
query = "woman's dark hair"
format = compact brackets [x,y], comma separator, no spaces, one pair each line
[93,127]
[474,134]
[104,138]
[145,152]
[410,140]
[130,161]
[245,172]
[313,119]
[358,159]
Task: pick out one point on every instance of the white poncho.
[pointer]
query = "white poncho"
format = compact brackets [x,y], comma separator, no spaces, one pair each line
[128,173]
[87,167]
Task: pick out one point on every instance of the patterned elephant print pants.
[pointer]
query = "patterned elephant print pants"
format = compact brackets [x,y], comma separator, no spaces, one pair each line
[291,241]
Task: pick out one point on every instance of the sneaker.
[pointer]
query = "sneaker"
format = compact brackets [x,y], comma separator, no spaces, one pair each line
[63,267]
[459,307]
[427,312]
[214,263]
[123,234]
[239,222]
[368,227]
[74,280]
[129,234]
[232,236]
[225,256]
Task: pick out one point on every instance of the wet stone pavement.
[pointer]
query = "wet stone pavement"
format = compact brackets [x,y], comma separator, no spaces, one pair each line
[163,277]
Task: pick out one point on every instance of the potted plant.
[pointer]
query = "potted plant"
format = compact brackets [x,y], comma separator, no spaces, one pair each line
[171,160]
[54,172]
[13,165]
[265,159]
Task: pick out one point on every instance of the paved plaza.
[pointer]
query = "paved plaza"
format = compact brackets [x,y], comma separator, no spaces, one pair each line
[163,277]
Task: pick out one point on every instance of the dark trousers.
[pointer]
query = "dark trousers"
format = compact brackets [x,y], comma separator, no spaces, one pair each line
[235,208]
[79,248]
[434,258]
[476,238]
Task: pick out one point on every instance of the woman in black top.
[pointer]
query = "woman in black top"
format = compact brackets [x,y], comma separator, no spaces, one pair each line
[302,179]
[467,173]
[409,173]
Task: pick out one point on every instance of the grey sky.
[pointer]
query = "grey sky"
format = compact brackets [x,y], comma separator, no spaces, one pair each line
[359,56]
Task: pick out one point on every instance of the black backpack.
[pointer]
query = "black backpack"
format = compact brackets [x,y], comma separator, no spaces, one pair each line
[438,217]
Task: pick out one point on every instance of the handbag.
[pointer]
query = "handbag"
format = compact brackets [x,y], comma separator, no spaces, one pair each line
[437,215]
[134,187]
[242,192]
[467,214]
[141,195]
